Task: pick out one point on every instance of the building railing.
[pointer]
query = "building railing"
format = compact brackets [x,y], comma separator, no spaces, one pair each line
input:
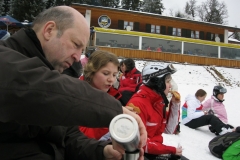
[171,57]
[169,48]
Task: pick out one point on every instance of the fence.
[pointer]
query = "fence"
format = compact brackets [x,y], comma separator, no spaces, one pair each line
[165,56]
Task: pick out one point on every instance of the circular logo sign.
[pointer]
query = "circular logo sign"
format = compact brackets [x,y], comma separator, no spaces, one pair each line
[104,21]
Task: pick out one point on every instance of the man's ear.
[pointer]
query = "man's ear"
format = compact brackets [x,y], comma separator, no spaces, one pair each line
[49,30]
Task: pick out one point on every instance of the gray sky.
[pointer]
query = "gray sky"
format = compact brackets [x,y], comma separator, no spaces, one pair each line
[233,7]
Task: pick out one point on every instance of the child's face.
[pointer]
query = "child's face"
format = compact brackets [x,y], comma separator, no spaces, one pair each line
[220,96]
[201,99]
[104,78]
[168,85]
[123,68]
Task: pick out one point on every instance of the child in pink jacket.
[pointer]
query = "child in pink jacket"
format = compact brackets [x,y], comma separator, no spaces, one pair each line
[215,106]
[215,103]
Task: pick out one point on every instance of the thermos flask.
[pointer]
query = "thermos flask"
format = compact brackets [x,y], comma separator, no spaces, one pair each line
[124,130]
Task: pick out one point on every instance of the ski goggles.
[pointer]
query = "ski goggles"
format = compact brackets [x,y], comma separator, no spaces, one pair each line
[169,69]
[223,90]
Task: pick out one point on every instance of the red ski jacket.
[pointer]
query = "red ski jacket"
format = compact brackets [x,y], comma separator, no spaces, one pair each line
[130,80]
[151,106]
[97,133]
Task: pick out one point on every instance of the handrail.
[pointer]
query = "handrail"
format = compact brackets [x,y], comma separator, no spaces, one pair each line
[171,57]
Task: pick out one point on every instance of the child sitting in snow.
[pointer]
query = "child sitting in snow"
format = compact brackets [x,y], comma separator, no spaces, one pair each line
[194,116]
[215,105]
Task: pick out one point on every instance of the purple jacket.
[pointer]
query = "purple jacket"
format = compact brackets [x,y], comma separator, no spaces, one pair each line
[217,107]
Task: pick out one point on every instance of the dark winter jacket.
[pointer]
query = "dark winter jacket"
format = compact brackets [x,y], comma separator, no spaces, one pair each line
[38,105]
[75,70]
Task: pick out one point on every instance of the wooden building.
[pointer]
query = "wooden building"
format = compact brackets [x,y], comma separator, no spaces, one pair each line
[125,31]
[155,23]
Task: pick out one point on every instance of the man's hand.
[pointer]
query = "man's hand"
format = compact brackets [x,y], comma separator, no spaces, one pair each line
[142,129]
[110,153]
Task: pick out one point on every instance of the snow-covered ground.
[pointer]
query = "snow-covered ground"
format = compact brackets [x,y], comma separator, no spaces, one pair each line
[190,78]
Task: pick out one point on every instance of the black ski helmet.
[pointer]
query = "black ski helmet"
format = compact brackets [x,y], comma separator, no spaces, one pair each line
[218,89]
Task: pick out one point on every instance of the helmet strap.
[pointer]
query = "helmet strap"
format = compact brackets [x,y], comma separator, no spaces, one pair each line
[215,97]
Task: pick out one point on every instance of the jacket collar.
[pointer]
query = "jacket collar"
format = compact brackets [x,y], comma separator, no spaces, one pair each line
[154,96]
[130,73]
[26,42]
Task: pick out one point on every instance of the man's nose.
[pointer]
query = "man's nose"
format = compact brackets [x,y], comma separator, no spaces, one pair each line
[77,57]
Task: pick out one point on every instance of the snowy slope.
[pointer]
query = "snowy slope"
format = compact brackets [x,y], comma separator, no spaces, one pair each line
[190,78]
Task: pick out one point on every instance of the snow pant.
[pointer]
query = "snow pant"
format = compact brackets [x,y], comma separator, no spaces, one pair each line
[163,157]
[232,152]
[204,120]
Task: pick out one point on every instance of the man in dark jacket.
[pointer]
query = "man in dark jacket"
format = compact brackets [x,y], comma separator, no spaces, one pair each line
[40,108]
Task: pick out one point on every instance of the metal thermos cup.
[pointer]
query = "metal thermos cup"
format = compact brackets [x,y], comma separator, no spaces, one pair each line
[124,130]
[131,155]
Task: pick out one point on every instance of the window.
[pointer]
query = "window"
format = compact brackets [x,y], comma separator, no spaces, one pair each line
[152,28]
[155,29]
[158,29]
[192,34]
[212,36]
[176,32]
[195,34]
[126,23]
[179,32]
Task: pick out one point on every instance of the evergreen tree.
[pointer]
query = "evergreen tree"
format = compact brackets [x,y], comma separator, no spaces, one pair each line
[27,10]
[63,2]
[1,8]
[90,2]
[153,6]
[49,3]
[179,14]
[110,3]
[134,5]
[126,4]
[5,7]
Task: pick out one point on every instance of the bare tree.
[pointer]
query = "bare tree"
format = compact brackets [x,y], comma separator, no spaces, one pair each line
[213,11]
[171,13]
[190,8]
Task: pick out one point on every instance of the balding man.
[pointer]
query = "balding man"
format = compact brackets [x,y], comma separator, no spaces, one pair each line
[40,107]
